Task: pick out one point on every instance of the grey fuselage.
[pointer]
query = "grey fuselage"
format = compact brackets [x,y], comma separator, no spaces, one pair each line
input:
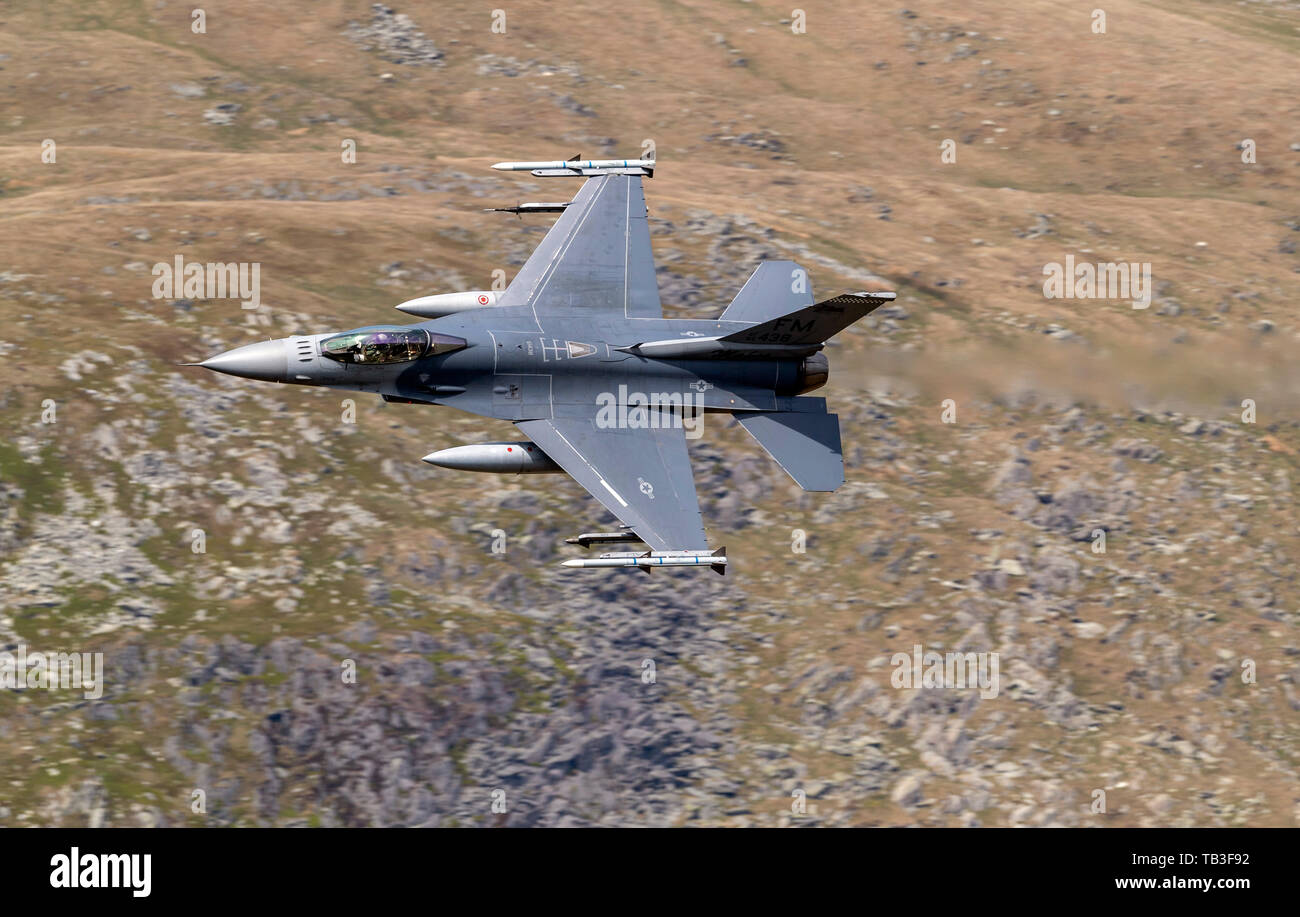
[518,366]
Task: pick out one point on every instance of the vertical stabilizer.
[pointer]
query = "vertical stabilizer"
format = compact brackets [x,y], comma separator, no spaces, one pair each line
[775,288]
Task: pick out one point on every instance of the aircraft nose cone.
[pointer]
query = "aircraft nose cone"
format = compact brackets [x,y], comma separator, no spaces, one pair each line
[265,360]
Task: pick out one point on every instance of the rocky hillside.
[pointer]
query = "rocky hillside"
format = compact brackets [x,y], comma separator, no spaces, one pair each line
[308,625]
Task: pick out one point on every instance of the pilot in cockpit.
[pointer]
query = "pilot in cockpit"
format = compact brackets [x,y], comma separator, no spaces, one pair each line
[391,345]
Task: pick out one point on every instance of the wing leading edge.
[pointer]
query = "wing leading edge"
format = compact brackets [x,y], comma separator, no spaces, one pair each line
[642,476]
[595,258]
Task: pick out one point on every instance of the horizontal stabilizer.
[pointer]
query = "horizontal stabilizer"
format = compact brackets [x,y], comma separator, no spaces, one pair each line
[774,289]
[814,324]
[806,445]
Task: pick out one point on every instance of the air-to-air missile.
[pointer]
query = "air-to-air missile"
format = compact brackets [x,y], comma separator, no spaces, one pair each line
[587,539]
[531,207]
[559,168]
[717,560]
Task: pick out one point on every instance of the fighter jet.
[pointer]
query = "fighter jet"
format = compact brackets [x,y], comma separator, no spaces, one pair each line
[576,352]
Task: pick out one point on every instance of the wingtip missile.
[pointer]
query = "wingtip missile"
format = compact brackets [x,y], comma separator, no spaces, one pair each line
[575,164]
[715,560]
[571,167]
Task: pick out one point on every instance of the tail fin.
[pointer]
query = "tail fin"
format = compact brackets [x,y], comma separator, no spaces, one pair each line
[813,324]
[775,288]
[806,445]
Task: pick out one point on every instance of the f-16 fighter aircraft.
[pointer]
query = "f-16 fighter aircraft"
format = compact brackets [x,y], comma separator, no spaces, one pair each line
[577,354]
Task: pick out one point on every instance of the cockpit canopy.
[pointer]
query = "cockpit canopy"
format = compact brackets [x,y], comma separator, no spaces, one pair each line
[387,344]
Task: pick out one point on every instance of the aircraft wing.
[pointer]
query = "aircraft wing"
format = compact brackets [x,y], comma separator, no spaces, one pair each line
[642,476]
[596,257]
